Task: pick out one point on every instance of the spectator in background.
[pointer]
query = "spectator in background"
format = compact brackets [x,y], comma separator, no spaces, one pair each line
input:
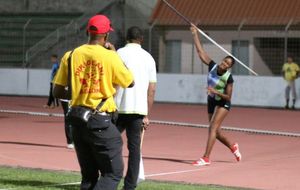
[290,72]
[135,103]
[52,102]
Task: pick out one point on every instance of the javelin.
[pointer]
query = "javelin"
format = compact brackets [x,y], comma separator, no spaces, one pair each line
[205,35]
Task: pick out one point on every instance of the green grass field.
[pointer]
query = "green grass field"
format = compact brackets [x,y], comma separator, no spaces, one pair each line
[32,179]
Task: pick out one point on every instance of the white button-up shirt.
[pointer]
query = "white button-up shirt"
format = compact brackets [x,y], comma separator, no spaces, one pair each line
[142,65]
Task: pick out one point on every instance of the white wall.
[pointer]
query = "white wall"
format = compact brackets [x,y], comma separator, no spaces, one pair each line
[13,81]
[183,88]
[34,82]
[38,82]
[247,91]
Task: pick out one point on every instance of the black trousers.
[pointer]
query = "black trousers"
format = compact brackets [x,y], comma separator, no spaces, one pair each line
[132,123]
[51,99]
[68,126]
[98,150]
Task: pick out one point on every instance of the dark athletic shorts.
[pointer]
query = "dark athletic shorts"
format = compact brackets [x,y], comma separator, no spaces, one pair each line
[212,103]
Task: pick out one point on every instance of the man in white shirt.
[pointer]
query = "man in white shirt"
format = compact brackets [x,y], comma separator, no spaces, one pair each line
[135,103]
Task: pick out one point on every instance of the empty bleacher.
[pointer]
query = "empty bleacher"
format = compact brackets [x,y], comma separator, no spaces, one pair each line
[20,31]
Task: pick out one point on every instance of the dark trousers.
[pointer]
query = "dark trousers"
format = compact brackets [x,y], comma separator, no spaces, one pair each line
[51,98]
[99,150]
[68,126]
[132,123]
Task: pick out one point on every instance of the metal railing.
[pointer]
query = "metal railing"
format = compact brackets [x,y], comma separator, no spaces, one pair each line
[70,29]
[49,41]
[24,38]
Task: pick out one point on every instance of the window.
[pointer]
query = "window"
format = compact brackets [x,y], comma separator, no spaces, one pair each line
[273,51]
[240,49]
[173,56]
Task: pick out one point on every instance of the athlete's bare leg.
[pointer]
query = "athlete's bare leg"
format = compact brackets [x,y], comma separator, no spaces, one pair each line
[215,124]
[224,140]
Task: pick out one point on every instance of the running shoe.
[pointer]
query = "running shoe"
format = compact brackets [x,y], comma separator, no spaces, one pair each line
[235,150]
[201,162]
[70,146]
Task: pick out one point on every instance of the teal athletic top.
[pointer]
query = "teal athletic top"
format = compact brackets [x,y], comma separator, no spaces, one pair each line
[218,82]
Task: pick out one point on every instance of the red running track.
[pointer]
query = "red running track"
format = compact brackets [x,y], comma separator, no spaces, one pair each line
[269,162]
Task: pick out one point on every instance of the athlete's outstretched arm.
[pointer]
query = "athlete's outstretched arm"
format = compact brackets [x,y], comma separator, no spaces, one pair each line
[201,53]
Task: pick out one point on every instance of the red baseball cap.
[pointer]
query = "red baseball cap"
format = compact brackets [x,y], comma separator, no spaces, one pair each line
[101,23]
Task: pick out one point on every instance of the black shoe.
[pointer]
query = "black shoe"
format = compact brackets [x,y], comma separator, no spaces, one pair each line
[293,107]
[286,107]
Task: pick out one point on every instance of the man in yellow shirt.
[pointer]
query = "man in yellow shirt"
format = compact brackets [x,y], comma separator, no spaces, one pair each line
[93,71]
[290,74]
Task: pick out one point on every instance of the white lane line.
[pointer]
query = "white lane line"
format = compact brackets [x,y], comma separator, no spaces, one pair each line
[174,172]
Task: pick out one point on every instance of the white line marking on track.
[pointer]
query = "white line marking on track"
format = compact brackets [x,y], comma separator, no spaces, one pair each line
[174,172]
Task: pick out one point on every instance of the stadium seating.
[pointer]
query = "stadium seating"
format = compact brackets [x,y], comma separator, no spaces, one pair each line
[20,31]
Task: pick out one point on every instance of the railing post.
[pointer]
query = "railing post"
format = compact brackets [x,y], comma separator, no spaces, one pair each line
[150,35]
[286,30]
[57,37]
[24,42]
[54,36]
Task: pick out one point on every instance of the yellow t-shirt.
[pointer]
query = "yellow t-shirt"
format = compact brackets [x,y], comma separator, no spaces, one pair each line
[290,71]
[95,71]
